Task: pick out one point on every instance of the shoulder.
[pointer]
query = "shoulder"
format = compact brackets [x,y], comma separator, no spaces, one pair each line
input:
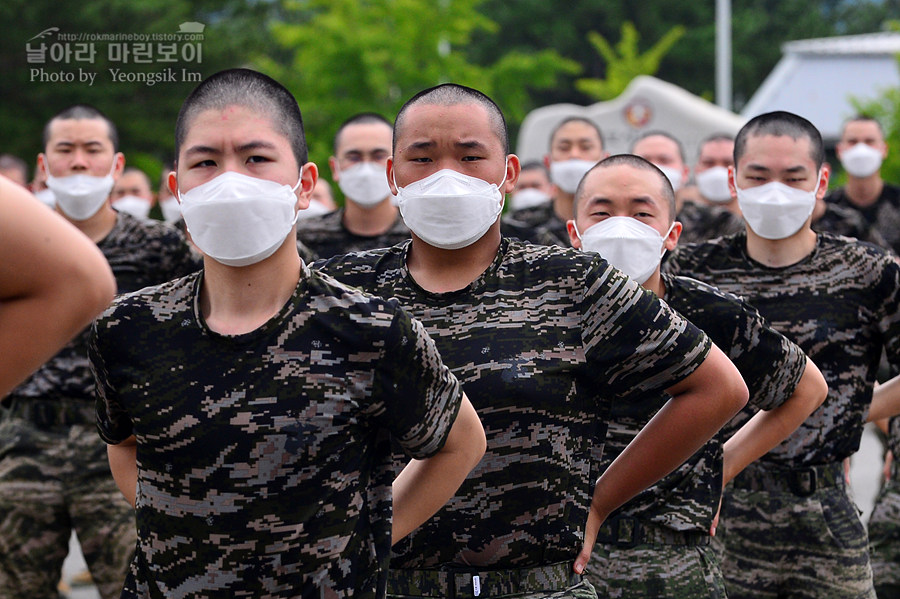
[160,303]
[135,228]
[706,251]
[328,222]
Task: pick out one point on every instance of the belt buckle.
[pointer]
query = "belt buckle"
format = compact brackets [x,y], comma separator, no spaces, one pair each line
[795,483]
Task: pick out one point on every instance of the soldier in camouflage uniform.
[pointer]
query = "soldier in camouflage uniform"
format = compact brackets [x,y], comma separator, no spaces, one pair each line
[54,476]
[658,544]
[861,151]
[543,339]
[788,523]
[249,407]
[368,219]
[576,144]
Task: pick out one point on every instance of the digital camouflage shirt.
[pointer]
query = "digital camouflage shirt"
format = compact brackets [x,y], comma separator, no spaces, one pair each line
[883,215]
[839,219]
[841,304]
[264,458]
[687,499]
[327,236]
[700,222]
[543,342]
[141,253]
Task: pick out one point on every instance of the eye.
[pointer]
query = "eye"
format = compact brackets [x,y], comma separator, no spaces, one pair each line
[257,159]
[472,158]
[204,163]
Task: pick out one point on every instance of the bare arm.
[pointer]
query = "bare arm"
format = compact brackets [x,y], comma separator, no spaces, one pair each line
[424,486]
[123,465]
[53,282]
[701,403]
[885,401]
[767,429]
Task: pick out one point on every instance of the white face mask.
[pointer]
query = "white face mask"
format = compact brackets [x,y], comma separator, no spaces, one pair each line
[674,175]
[46,197]
[133,205]
[713,184]
[81,196]
[567,174]
[633,247]
[776,210]
[365,183]
[314,209]
[239,220]
[171,209]
[528,198]
[861,160]
[450,210]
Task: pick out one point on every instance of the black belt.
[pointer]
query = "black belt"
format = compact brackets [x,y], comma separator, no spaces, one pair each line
[48,413]
[472,582]
[628,532]
[800,481]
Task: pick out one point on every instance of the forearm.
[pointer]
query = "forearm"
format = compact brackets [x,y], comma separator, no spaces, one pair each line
[123,465]
[424,486]
[767,429]
[885,401]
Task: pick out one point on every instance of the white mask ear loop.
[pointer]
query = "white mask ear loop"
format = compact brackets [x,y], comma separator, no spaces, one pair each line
[664,237]
[294,190]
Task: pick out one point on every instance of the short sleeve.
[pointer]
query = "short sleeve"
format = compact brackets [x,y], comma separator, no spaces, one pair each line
[634,342]
[421,395]
[770,363]
[113,422]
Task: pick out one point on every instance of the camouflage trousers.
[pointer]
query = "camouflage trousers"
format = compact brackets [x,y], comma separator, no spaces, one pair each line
[884,539]
[55,478]
[796,544]
[556,581]
[656,570]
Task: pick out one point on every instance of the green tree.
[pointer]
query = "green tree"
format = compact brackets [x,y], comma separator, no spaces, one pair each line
[350,56]
[625,61]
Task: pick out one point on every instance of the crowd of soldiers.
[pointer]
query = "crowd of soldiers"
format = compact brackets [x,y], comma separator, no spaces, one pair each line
[639,379]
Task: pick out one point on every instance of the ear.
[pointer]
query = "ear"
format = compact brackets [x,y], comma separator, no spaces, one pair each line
[307,185]
[389,173]
[335,169]
[671,241]
[120,165]
[732,186]
[172,183]
[547,161]
[824,174]
[573,234]
[42,165]
[513,169]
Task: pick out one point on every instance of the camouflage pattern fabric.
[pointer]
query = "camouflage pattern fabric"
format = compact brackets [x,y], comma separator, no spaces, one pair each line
[264,458]
[326,235]
[656,570]
[884,526]
[840,219]
[542,341]
[779,544]
[883,215]
[466,582]
[841,304]
[687,499]
[56,478]
[701,223]
[522,224]
[54,474]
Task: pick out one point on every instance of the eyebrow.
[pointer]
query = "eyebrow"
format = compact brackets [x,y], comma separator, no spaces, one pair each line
[642,200]
[247,147]
[758,168]
[66,143]
[425,145]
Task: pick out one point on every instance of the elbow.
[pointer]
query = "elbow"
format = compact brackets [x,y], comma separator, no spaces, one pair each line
[96,285]
[478,446]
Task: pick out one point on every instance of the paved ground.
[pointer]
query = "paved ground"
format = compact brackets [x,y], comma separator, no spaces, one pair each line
[865,476]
